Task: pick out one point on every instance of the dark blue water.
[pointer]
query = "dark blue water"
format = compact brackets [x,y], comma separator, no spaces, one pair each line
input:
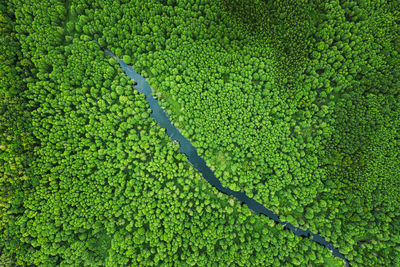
[190,151]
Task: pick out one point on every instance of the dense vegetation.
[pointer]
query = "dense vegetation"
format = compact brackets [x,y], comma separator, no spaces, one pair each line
[294,102]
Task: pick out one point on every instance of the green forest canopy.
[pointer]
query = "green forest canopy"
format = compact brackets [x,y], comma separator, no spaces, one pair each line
[294,102]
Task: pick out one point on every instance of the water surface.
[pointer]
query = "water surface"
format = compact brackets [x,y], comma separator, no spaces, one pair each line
[190,151]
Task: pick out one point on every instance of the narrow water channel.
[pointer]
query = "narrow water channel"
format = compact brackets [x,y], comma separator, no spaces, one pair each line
[190,151]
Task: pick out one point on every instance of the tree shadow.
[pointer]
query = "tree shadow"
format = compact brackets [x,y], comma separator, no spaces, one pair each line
[286,26]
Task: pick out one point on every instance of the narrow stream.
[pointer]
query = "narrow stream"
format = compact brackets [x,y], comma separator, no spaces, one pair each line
[190,151]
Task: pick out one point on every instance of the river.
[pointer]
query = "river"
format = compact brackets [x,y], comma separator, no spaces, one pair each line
[190,151]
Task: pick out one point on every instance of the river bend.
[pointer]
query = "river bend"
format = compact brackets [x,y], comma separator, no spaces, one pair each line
[190,151]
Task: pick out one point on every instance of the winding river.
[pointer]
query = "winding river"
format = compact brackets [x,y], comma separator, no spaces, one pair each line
[190,151]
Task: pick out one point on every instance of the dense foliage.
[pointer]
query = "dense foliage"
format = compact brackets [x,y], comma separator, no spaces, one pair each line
[106,186]
[297,104]
[15,138]
[294,102]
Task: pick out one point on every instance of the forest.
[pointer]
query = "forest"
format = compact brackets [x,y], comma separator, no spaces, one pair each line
[294,103]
